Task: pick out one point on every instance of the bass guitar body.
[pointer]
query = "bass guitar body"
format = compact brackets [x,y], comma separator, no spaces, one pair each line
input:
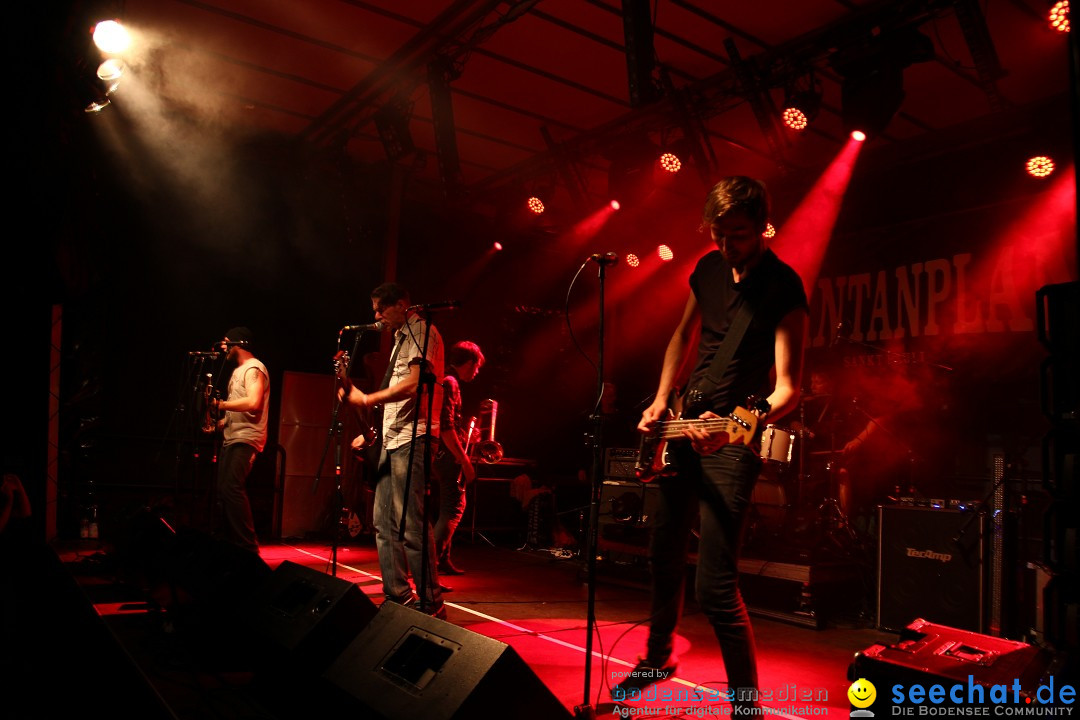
[655,457]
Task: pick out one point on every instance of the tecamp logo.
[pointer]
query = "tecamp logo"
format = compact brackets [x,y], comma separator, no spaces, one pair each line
[862,695]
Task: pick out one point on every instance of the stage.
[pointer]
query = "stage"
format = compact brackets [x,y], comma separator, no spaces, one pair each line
[169,638]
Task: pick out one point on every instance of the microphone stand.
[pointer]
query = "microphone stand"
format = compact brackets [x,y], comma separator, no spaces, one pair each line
[427,378]
[586,709]
[333,434]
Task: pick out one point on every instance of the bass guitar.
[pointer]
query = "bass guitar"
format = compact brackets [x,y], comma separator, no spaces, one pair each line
[654,458]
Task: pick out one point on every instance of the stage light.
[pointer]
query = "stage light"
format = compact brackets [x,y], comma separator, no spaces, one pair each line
[795,118]
[670,162]
[632,260]
[110,72]
[802,100]
[1040,166]
[96,107]
[111,37]
[615,205]
[872,68]
[665,253]
[858,135]
[770,231]
[1059,16]
[497,245]
[536,205]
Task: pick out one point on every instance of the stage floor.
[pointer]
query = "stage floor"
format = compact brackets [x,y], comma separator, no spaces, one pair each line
[534,599]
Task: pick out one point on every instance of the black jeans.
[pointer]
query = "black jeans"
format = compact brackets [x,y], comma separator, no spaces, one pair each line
[719,487]
[234,465]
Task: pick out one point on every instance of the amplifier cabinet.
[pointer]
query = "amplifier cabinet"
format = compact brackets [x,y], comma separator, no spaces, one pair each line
[619,463]
[931,564]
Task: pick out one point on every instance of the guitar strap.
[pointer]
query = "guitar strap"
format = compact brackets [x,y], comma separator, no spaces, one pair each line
[731,341]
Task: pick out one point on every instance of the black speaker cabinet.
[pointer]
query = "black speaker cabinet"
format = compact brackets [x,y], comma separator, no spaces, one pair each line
[406,664]
[931,564]
[929,654]
[627,510]
[305,618]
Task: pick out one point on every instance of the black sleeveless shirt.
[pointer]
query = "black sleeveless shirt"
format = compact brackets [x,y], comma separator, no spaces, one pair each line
[773,289]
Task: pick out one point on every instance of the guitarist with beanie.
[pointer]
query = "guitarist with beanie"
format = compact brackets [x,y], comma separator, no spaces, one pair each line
[747,312]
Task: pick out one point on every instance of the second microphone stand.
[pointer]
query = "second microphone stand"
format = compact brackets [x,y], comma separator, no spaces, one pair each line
[586,710]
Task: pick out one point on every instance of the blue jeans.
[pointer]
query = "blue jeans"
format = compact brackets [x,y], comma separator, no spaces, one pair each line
[719,485]
[397,557]
[448,496]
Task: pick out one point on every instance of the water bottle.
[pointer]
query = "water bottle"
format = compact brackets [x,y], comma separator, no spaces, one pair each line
[92,529]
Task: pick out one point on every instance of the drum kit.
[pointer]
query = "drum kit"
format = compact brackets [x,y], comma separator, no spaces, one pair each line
[800,497]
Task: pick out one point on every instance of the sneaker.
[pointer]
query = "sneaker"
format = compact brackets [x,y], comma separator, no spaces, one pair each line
[643,675]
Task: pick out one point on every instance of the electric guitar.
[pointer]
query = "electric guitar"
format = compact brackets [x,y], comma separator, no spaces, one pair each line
[368,453]
[654,459]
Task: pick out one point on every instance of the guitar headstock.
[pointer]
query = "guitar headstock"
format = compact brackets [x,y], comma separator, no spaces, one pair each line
[341,364]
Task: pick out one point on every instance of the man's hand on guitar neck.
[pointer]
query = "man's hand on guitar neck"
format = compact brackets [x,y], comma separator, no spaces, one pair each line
[703,441]
[657,411]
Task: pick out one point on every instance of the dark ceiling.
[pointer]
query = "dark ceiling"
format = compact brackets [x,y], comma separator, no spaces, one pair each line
[553,97]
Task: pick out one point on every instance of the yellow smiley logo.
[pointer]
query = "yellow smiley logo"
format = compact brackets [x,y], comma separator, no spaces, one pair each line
[862,693]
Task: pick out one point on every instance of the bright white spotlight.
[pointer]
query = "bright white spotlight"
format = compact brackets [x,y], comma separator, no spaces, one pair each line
[110,72]
[498,246]
[111,37]
[615,205]
[858,135]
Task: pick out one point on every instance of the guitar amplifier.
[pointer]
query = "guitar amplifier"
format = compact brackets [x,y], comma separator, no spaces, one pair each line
[619,463]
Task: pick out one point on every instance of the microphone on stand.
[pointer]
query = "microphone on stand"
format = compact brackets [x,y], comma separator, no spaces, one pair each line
[230,343]
[377,326]
[204,354]
[608,258]
[444,305]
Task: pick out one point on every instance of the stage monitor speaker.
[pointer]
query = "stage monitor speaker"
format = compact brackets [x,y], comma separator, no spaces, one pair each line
[931,564]
[406,664]
[930,654]
[305,618]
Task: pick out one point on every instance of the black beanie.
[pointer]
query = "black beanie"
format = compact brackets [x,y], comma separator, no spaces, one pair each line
[238,334]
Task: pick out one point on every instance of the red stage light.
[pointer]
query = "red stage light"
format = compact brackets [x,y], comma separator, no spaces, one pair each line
[858,135]
[615,205]
[670,162]
[1059,16]
[795,118]
[632,260]
[497,245]
[665,253]
[536,205]
[770,231]
[1040,166]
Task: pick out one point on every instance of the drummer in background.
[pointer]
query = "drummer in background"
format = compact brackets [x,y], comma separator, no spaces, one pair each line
[826,425]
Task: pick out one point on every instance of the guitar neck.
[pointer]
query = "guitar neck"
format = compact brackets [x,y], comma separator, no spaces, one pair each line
[671,429]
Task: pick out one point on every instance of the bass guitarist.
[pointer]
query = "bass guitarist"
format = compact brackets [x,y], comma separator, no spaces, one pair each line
[748,311]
